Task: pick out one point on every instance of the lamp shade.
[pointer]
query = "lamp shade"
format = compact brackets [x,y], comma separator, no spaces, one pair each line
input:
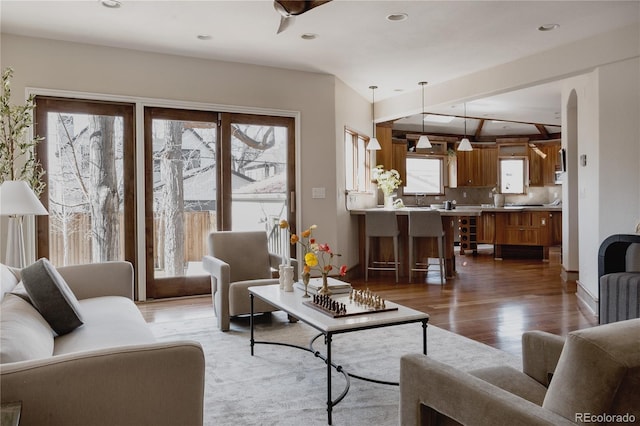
[18,199]
[465,145]
[423,142]
[373,145]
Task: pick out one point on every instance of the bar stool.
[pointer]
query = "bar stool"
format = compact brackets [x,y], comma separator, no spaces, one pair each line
[425,223]
[381,223]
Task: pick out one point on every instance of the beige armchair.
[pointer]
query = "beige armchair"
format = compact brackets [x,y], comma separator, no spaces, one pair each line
[594,372]
[238,260]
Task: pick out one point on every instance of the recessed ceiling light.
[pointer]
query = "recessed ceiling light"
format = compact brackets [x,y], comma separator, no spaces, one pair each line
[204,37]
[548,27]
[309,36]
[111,4]
[397,17]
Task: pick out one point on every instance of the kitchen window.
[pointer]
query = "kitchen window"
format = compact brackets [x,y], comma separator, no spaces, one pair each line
[512,175]
[424,174]
[357,162]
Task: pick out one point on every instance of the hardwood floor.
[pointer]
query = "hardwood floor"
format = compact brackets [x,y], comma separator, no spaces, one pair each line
[491,301]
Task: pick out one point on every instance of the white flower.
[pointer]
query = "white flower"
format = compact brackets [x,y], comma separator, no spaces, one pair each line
[388,181]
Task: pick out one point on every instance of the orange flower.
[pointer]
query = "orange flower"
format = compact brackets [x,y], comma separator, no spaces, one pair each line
[306,233]
[306,269]
[284,224]
[294,238]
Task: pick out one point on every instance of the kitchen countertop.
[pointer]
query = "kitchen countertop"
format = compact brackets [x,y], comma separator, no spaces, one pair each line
[468,210]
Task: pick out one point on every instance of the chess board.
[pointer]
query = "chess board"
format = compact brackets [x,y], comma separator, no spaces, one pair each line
[352,308]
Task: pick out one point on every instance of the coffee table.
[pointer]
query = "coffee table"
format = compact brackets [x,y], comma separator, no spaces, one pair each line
[293,304]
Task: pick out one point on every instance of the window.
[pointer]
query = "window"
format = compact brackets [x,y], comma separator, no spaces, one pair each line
[512,175]
[357,162]
[89,157]
[424,174]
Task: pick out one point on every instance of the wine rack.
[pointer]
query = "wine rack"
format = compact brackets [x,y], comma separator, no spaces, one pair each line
[468,237]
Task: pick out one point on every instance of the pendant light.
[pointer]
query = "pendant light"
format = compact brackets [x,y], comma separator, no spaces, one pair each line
[424,141]
[465,144]
[373,144]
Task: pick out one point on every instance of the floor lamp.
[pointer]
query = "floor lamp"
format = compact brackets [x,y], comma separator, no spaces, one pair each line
[17,200]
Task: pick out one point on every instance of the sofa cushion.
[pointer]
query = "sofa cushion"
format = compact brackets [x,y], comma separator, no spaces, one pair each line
[109,321]
[51,296]
[8,280]
[598,372]
[24,334]
[513,381]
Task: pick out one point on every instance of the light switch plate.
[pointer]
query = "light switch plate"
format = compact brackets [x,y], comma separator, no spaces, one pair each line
[318,193]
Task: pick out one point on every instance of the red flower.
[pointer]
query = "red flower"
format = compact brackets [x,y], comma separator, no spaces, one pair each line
[324,247]
[343,270]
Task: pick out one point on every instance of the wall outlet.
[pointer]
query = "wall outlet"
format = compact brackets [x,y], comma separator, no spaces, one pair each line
[437,197]
[464,194]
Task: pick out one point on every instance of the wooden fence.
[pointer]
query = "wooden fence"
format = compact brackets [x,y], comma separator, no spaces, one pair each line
[75,235]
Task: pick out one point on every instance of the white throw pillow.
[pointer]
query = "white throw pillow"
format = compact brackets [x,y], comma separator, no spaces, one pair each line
[24,334]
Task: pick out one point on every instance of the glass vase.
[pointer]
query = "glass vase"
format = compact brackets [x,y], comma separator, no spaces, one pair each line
[305,281]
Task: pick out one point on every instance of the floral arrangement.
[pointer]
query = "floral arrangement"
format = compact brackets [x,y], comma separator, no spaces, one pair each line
[318,257]
[388,181]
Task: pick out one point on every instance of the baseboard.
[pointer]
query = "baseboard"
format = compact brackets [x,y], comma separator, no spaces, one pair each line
[569,275]
[587,299]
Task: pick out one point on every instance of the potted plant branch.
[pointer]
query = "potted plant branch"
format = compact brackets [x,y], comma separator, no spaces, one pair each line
[17,152]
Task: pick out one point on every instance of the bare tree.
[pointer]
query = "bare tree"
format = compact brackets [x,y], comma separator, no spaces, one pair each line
[173,199]
[103,195]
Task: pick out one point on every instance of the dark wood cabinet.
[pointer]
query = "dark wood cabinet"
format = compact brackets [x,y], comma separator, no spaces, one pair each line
[542,171]
[478,167]
[555,219]
[530,228]
[486,230]
[524,232]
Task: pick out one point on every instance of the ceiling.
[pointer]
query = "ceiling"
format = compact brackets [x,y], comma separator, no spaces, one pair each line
[439,41]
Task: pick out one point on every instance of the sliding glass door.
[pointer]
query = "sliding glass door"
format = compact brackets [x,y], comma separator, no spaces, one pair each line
[204,172]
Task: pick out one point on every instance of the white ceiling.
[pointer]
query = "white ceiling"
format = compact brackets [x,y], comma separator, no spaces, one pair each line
[440,40]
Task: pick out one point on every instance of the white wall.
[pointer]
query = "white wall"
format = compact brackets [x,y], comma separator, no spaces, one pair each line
[608,100]
[354,112]
[48,64]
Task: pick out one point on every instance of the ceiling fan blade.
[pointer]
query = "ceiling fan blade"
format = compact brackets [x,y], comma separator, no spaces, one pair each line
[297,7]
[285,22]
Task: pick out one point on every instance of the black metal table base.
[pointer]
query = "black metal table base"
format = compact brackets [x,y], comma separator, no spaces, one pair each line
[327,359]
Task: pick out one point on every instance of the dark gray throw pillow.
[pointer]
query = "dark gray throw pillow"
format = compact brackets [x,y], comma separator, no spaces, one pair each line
[51,296]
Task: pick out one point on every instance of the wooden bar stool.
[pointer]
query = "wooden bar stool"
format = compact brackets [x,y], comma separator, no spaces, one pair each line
[425,223]
[380,224]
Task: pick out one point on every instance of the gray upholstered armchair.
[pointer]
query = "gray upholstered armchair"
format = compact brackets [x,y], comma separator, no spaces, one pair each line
[619,278]
[594,372]
[238,260]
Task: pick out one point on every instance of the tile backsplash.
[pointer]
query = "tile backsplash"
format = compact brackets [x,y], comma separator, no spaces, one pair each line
[483,195]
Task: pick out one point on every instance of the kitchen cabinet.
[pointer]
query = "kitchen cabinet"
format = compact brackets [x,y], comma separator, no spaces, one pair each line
[486,229]
[555,221]
[542,171]
[523,228]
[393,152]
[399,159]
[478,167]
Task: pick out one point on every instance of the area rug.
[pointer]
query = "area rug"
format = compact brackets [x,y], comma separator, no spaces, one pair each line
[287,386]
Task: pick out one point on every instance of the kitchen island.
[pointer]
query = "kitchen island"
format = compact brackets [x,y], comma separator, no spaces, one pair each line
[513,230]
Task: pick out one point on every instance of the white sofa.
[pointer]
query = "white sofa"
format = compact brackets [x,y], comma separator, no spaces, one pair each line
[109,371]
